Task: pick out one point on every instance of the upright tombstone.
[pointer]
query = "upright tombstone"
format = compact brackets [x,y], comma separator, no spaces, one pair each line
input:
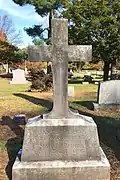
[108,95]
[18,77]
[61,145]
[71,90]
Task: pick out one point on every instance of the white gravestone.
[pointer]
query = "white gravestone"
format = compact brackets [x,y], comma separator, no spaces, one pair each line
[108,95]
[71,91]
[18,77]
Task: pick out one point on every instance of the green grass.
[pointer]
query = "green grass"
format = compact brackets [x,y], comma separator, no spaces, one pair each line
[85,87]
[2,145]
[14,100]
[12,103]
[7,89]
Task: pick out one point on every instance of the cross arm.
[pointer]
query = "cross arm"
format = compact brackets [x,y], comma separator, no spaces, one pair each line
[80,53]
[40,53]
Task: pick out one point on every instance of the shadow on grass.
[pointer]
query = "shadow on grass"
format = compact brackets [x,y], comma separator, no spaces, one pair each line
[9,76]
[43,102]
[13,144]
[75,81]
[108,128]
[88,104]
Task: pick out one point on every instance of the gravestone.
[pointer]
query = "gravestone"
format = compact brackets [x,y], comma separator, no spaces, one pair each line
[61,144]
[26,71]
[71,91]
[87,78]
[10,70]
[19,119]
[108,95]
[18,77]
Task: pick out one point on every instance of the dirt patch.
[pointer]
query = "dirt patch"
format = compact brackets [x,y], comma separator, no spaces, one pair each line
[114,163]
[3,163]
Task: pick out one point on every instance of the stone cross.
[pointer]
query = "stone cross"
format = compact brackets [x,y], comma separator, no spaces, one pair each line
[60,53]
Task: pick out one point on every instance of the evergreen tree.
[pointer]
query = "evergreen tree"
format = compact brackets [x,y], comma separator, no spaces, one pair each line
[96,23]
[43,8]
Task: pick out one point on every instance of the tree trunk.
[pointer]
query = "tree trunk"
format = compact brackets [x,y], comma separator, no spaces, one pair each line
[106,71]
[79,67]
[49,32]
[111,71]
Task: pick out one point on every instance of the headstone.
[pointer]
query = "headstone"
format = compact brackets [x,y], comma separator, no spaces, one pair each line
[88,74]
[71,91]
[45,70]
[10,70]
[19,119]
[108,95]
[87,78]
[61,144]
[18,77]
[96,82]
[85,82]
[26,71]
[6,67]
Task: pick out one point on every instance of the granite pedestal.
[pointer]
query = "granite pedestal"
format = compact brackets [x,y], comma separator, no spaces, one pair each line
[66,149]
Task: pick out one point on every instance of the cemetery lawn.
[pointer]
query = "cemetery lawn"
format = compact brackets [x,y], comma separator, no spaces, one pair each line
[14,99]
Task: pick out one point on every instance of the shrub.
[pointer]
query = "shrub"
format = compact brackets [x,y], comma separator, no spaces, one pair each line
[40,80]
[97,66]
[87,66]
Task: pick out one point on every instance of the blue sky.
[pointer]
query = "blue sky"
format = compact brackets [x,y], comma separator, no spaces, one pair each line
[24,16]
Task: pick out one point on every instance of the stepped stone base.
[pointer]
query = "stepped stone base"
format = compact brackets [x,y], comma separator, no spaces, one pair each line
[61,149]
[62,170]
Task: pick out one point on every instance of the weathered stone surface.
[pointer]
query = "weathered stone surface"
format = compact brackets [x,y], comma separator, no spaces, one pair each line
[40,53]
[109,92]
[60,53]
[62,170]
[61,139]
[108,95]
[79,53]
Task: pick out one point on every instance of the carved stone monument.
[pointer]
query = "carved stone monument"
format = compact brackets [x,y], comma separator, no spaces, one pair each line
[61,145]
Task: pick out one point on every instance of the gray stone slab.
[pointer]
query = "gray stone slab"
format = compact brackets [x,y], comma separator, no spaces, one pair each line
[62,170]
[40,53]
[60,139]
[108,95]
[109,92]
[79,52]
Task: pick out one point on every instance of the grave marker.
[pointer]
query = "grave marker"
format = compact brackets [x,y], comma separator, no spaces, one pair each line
[18,77]
[108,95]
[60,53]
[62,145]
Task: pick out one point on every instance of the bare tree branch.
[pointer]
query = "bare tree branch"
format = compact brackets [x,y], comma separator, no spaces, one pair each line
[11,33]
